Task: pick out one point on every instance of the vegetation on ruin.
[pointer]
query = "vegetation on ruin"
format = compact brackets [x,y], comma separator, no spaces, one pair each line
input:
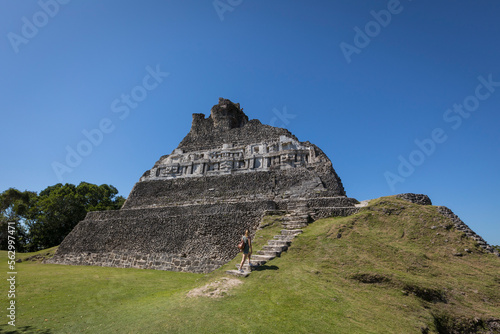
[395,267]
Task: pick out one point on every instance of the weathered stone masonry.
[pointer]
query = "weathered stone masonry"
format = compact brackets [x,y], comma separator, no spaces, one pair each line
[187,212]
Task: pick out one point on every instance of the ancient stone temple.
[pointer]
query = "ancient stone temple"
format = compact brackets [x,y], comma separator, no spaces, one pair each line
[189,210]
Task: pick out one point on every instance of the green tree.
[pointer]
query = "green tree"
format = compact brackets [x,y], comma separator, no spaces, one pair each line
[15,206]
[45,219]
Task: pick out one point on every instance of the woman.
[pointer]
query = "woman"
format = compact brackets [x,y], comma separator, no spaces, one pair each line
[247,251]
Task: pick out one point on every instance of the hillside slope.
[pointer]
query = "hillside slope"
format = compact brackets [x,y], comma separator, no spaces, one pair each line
[404,263]
[395,267]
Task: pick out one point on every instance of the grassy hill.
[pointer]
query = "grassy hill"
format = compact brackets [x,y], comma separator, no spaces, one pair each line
[395,267]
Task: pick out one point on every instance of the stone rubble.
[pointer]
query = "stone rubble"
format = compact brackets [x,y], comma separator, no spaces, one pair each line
[461,226]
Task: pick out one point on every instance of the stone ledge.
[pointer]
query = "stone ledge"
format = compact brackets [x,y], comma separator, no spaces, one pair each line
[164,261]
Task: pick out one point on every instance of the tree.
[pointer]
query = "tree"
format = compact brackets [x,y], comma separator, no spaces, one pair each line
[44,220]
[15,206]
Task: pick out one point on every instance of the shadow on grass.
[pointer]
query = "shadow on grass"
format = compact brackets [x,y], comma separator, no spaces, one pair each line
[23,330]
[264,267]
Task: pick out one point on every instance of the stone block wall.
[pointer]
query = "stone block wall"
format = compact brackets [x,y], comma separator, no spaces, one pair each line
[138,260]
[189,238]
[297,182]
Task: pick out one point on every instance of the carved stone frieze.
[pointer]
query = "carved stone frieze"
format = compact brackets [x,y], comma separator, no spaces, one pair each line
[283,153]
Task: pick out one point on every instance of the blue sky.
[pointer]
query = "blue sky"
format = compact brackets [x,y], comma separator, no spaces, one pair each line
[403,96]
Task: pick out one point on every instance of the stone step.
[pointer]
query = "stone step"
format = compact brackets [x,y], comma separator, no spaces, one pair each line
[246,267]
[291,232]
[298,202]
[274,212]
[296,222]
[278,249]
[293,221]
[255,264]
[296,205]
[302,209]
[297,212]
[269,253]
[282,237]
[238,273]
[295,226]
[278,243]
[261,258]
[300,216]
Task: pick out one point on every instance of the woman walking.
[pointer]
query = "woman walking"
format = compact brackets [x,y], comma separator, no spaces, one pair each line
[247,250]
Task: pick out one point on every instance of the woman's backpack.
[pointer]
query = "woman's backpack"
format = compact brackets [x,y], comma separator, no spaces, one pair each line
[241,245]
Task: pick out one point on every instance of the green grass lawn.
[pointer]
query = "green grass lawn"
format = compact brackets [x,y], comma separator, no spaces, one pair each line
[383,270]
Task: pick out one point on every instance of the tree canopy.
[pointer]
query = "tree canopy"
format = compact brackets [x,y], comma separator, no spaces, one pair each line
[43,220]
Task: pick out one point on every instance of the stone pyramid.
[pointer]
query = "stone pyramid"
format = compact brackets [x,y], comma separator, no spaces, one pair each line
[188,212]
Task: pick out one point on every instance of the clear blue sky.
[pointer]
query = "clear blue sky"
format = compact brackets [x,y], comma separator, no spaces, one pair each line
[364,80]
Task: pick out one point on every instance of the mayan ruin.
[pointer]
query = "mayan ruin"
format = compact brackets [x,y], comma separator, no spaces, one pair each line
[186,212]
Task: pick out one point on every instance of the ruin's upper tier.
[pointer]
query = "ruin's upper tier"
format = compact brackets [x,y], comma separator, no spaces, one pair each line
[228,144]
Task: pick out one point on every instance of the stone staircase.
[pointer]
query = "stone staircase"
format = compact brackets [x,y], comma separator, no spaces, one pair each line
[292,223]
[274,248]
[298,217]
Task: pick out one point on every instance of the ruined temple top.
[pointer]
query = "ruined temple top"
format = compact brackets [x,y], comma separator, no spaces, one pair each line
[225,115]
[227,124]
